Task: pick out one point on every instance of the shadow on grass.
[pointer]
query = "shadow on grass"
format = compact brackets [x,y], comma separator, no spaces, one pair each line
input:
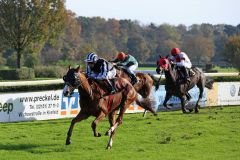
[32,148]
[13,147]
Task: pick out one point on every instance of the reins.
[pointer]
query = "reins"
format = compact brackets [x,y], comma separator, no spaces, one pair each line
[157,86]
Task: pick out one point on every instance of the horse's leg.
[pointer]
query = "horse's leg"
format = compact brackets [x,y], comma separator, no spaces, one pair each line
[95,122]
[183,101]
[118,122]
[78,118]
[112,121]
[167,97]
[147,105]
[144,113]
[197,106]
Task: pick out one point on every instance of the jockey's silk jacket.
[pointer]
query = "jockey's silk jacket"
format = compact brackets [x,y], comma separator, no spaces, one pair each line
[128,61]
[181,59]
[100,69]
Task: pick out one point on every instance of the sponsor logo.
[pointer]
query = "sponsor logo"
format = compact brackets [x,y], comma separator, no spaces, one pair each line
[232,90]
[6,107]
[70,104]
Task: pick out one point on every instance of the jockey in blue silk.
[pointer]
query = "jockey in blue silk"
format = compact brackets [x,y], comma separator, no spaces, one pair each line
[129,63]
[182,61]
[100,69]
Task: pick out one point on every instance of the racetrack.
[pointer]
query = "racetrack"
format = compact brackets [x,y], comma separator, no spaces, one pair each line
[211,134]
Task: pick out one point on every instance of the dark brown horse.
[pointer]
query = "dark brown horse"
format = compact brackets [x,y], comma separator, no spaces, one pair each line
[92,103]
[143,86]
[173,88]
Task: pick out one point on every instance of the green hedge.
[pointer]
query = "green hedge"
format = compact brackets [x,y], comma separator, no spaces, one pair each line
[50,71]
[226,79]
[4,89]
[17,74]
[215,79]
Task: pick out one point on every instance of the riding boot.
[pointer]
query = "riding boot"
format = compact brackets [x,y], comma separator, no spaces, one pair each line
[133,79]
[110,87]
[186,75]
[188,96]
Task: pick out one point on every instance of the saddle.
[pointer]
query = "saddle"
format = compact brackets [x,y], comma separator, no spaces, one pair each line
[128,74]
[192,71]
[104,85]
[181,75]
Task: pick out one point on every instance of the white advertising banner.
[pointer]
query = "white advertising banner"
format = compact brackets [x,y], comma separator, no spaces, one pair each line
[175,103]
[37,106]
[53,105]
[229,93]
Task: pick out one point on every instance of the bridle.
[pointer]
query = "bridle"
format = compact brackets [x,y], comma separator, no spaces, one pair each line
[77,82]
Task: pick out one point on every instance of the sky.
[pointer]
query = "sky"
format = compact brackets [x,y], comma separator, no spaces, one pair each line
[173,12]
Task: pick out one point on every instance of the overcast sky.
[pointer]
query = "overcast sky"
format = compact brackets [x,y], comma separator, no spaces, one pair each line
[174,12]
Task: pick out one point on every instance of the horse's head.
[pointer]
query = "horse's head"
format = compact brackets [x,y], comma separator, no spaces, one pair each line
[162,64]
[72,81]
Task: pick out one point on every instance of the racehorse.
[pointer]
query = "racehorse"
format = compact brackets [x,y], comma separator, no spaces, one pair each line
[180,90]
[143,86]
[92,103]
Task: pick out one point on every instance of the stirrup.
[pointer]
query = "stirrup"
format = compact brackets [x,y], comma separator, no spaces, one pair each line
[112,92]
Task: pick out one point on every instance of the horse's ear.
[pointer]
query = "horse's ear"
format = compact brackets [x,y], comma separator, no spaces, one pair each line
[167,56]
[69,67]
[160,56]
[78,68]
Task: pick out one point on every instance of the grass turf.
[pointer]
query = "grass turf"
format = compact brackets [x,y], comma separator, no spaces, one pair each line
[211,134]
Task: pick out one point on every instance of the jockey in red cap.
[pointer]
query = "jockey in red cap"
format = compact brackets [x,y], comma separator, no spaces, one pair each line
[182,61]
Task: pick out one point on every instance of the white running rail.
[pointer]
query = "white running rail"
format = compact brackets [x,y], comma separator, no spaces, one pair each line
[59,81]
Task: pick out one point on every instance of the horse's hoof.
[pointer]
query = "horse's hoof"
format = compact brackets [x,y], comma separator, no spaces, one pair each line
[184,111]
[167,107]
[155,114]
[109,147]
[190,110]
[107,133]
[68,142]
[196,111]
[97,135]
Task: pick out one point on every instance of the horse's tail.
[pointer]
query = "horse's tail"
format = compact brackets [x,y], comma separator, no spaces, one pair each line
[147,104]
[209,83]
[155,81]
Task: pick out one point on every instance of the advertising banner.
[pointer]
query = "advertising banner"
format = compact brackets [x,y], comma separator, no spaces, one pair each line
[175,103]
[53,105]
[229,93]
[212,96]
[37,106]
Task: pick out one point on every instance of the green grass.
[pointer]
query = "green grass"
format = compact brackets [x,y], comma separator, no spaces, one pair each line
[146,68]
[213,134]
[225,69]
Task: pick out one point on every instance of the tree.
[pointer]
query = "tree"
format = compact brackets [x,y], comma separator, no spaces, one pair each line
[67,45]
[230,30]
[168,32]
[24,22]
[165,47]
[198,47]
[232,50]
[138,48]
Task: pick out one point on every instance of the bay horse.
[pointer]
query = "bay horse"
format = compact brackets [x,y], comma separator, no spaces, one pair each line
[143,86]
[92,103]
[180,90]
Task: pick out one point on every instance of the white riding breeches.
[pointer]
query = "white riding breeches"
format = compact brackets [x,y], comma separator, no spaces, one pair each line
[132,68]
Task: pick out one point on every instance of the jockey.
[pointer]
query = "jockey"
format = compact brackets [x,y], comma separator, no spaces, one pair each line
[100,69]
[129,63]
[182,61]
